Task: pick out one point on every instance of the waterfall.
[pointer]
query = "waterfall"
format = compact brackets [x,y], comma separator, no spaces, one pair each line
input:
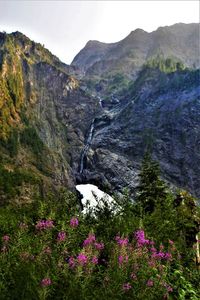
[86,147]
[100,101]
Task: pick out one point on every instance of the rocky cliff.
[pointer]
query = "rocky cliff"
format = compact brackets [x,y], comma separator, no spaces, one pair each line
[44,116]
[148,84]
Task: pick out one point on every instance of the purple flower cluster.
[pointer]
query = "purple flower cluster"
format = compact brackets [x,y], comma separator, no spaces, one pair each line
[150,283]
[74,222]
[122,259]
[71,262]
[95,260]
[161,255]
[6,238]
[46,282]
[82,259]
[61,236]
[126,286]
[90,240]
[140,237]
[99,246]
[44,224]
[121,241]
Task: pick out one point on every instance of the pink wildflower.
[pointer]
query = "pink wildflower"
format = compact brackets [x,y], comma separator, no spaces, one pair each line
[90,239]
[6,238]
[99,246]
[82,259]
[150,283]
[122,242]
[61,236]
[44,224]
[74,222]
[71,262]
[168,256]
[126,286]
[95,260]
[122,259]
[140,237]
[46,282]
[133,276]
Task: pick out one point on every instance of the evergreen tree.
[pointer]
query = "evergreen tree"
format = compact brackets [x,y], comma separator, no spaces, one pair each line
[151,190]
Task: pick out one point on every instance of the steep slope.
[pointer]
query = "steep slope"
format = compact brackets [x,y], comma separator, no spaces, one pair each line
[162,116]
[109,68]
[178,41]
[39,105]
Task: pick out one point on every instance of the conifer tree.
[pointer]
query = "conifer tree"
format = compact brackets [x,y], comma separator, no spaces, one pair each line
[151,190]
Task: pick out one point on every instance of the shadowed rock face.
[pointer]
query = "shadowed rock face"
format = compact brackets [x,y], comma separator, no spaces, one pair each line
[158,109]
[164,120]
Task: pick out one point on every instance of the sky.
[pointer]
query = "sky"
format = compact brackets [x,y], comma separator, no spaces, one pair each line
[64,27]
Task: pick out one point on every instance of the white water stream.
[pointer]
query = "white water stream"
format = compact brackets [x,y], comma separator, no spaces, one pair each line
[86,147]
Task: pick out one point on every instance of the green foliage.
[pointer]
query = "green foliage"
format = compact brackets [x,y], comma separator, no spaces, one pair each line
[12,143]
[11,181]
[125,269]
[167,65]
[152,190]
[30,138]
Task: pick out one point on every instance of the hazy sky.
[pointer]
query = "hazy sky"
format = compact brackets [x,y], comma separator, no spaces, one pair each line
[64,27]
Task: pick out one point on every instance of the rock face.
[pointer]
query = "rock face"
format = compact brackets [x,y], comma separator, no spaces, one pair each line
[162,116]
[92,122]
[149,89]
[44,112]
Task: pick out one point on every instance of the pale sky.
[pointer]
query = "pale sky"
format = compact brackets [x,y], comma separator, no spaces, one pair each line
[64,27]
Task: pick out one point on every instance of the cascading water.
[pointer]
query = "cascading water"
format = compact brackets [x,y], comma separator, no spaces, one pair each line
[86,147]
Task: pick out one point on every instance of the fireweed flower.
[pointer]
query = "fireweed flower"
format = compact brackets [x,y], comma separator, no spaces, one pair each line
[82,259]
[122,259]
[121,242]
[71,262]
[74,222]
[61,236]
[133,276]
[140,237]
[44,224]
[90,239]
[6,238]
[46,282]
[95,260]
[150,282]
[126,286]
[99,246]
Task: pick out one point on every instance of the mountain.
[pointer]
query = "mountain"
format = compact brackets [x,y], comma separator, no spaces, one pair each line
[40,100]
[148,85]
[92,121]
[178,41]
[109,68]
